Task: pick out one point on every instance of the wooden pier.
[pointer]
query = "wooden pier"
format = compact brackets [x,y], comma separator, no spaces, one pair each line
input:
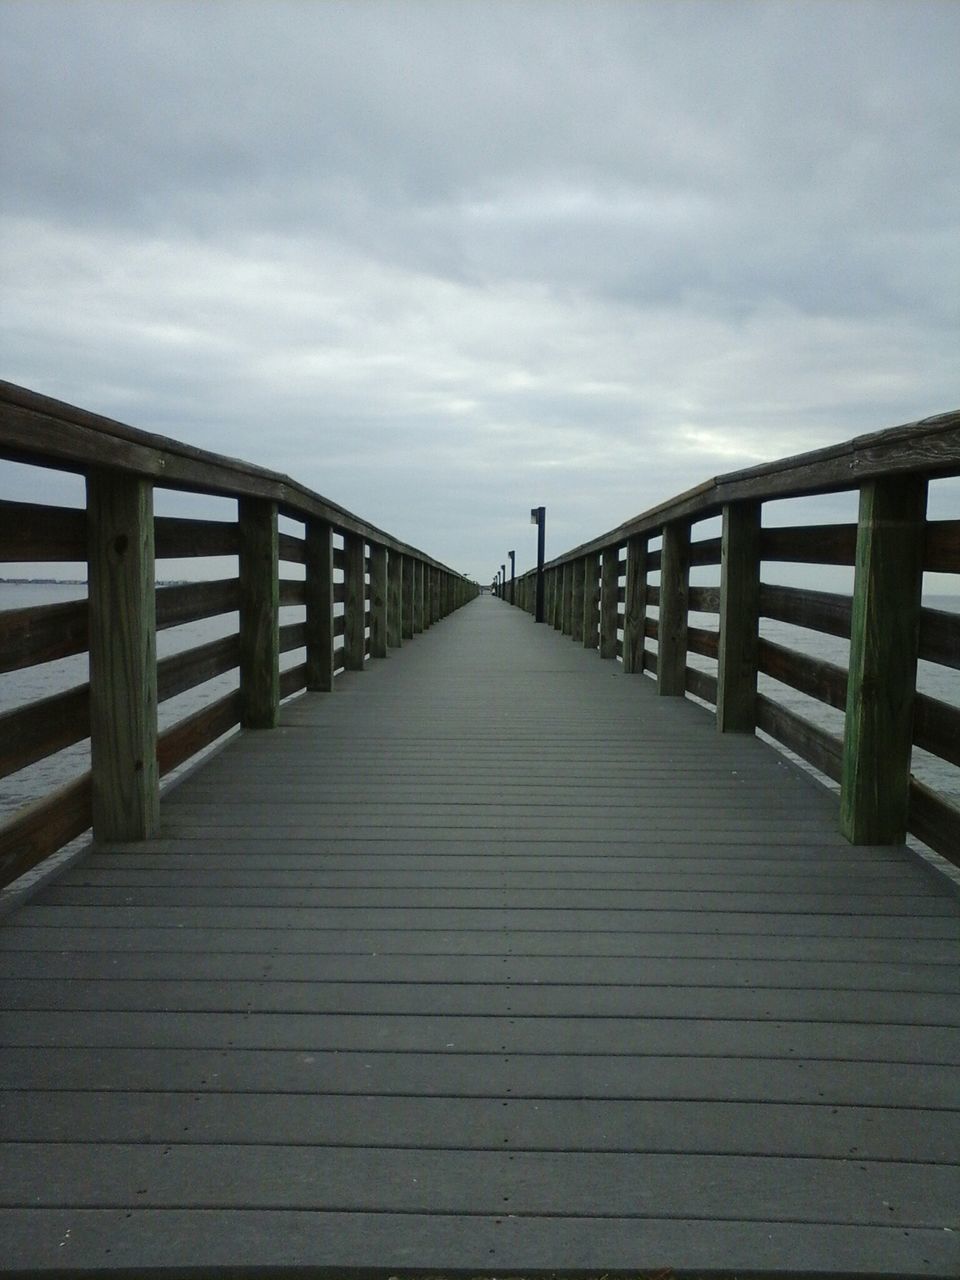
[492,957]
[494,960]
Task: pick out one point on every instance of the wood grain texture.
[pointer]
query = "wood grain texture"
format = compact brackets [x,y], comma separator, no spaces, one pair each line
[319,605]
[674,605]
[123,657]
[739,619]
[609,603]
[259,615]
[591,601]
[355,603]
[378,602]
[635,605]
[496,922]
[884,644]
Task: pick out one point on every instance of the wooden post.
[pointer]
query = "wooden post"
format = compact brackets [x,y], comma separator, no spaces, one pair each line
[394,599]
[591,601]
[566,602]
[406,598]
[884,640]
[578,579]
[674,600]
[739,618]
[378,600]
[635,605]
[610,602]
[123,657]
[259,614]
[319,602]
[419,622]
[354,638]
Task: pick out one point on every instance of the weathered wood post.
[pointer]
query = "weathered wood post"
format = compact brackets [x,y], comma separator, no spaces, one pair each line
[609,602]
[566,603]
[578,568]
[884,642]
[319,605]
[406,598]
[739,618]
[591,600]
[259,614]
[378,600]
[394,599]
[635,605]
[123,657]
[354,608]
[419,621]
[674,604]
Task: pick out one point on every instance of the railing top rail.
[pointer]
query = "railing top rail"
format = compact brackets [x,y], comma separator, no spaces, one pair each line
[929,447]
[37,429]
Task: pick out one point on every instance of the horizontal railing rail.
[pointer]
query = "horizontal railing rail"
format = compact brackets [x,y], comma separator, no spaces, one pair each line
[362,592]
[600,594]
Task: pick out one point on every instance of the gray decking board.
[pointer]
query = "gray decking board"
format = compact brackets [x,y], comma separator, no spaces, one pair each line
[491,959]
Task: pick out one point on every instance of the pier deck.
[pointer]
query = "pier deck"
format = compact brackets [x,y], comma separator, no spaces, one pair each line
[490,960]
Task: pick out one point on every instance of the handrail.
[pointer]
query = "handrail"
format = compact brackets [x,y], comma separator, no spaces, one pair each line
[364,592]
[928,447]
[598,594]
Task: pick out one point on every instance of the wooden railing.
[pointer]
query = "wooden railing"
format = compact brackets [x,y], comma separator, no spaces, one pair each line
[599,594]
[363,592]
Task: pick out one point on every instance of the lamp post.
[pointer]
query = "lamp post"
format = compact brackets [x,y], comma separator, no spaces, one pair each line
[538,516]
[513,576]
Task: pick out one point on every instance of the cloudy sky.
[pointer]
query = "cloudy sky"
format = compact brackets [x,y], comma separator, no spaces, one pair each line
[445,261]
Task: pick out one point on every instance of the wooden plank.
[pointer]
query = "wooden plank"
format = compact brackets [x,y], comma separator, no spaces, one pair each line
[591,601]
[941,546]
[820,679]
[293,635]
[609,603]
[819,748]
[578,583]
[196,731]
[416,577]
[407,590]
[940,637]
[43,827]
[935,820]
[739,619]
[319,606]
[176,538]
[378,601]
[878,734]
[291,591]
[191,601]
[635,605]
[42,633]
[32,732]
[185,670]
[810,544]
[674,588]
[293,680]
[818,610]
[123,657]
[31,533]
[566,600]
[699,640]
[355,644]
[702,685]
[936,727]
[396,598]
[291,549]
[259,615]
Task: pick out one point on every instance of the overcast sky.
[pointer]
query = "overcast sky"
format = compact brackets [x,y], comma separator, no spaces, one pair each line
[446,261]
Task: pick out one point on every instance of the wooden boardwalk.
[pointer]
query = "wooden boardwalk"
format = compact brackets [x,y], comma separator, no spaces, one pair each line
[491,960]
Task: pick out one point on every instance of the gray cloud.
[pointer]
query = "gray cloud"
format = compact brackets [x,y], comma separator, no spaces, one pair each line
[445,260]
